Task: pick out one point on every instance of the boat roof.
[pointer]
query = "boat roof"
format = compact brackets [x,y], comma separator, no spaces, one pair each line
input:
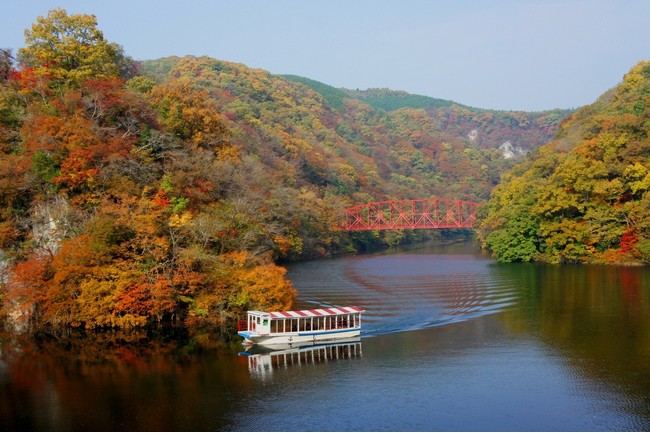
[332,311]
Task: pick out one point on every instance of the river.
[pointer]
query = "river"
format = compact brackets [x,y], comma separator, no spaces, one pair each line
[451,341]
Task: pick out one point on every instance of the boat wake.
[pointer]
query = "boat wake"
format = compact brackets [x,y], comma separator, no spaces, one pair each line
[406,292]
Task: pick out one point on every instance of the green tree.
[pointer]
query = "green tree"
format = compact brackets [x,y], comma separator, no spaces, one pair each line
[591,183]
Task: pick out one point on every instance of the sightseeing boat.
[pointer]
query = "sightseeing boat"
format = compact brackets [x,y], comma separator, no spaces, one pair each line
[300,327]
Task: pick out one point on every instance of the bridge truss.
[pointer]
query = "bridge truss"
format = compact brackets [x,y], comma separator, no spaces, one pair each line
[430,213]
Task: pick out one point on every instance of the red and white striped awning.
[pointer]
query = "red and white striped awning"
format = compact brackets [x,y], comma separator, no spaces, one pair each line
[317,312]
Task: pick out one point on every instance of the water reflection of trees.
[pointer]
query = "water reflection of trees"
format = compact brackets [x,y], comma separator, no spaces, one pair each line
[597,317]
[116,381]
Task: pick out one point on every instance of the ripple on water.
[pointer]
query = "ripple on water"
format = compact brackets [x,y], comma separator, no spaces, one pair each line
[404,292]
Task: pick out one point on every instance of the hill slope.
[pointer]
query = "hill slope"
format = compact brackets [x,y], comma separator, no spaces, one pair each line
[171,195]
[513,132]
[353,149]
[584,197]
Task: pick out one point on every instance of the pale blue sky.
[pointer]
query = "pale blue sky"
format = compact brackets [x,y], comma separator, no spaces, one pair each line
[497,54]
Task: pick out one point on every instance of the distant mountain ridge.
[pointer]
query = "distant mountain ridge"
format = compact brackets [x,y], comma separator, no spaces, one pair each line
[376,143]
[383,98]
[489,128]
[390,100]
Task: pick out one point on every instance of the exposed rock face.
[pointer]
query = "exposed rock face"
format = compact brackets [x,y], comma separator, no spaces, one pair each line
[53,221]
[4,266]
[509,151]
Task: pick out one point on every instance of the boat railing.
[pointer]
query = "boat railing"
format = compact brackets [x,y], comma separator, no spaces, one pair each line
[242,325]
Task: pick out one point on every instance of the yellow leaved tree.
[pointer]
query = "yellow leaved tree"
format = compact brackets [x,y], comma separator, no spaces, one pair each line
[70,49]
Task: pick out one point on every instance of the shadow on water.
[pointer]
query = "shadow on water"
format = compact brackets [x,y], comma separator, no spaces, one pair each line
[115,381]
[458,342]
[595,318]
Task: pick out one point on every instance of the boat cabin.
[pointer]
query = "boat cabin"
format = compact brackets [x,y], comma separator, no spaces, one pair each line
[317,323]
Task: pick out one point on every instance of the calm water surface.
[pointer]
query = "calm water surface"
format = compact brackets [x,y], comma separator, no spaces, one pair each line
[451,341]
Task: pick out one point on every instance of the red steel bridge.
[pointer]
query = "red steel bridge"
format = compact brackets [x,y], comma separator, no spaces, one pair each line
[427,213]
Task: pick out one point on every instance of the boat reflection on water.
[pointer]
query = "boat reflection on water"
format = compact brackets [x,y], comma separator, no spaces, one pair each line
[263,360]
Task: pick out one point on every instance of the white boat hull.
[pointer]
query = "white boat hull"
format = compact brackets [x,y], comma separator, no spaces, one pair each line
[301,327]
[294,338]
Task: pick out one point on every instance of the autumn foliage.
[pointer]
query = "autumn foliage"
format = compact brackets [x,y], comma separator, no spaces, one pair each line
[167,191]
[585,196]
[112,215]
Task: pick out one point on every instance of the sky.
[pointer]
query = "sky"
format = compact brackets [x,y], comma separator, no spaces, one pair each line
[529,55]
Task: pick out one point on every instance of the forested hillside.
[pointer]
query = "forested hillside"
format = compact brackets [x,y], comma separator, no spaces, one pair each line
[521,131]
[584,197]
[168,190]
[408,151]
